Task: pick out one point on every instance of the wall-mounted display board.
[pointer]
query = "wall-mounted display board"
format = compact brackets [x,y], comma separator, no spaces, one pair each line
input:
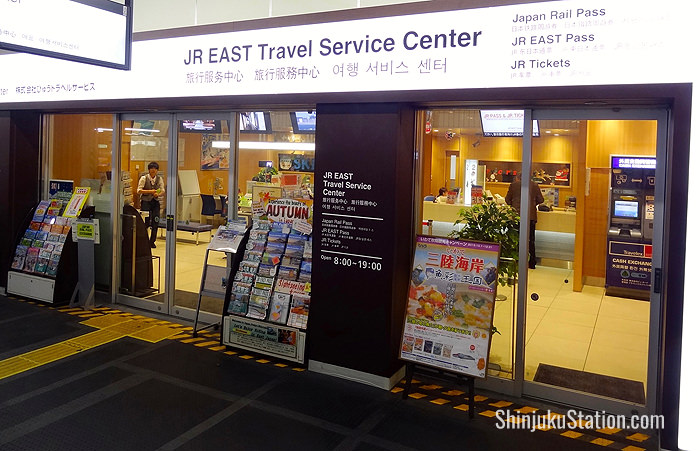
[94,32]
[556,174]
[449,314]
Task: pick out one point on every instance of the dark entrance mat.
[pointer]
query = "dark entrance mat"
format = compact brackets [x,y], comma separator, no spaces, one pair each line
[599,384]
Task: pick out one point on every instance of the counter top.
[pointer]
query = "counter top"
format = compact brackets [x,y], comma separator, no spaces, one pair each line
[558,220]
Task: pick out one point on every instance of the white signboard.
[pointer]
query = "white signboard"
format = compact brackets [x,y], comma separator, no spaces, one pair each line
[564,43]
[91,31]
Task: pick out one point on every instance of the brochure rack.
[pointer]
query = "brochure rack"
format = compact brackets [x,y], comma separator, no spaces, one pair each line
[214,283]
[44,266]
[267,302]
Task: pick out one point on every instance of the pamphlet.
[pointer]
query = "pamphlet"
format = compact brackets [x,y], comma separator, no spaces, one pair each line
[279,307]
[238,304]
[31,259]
[226,240]
[52,267]
[40,211]
[299,312]
[20,255]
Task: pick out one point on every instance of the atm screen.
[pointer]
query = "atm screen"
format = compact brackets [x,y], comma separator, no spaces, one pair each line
[626,209]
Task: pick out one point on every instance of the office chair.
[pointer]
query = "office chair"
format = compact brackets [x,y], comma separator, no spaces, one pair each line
[209,209]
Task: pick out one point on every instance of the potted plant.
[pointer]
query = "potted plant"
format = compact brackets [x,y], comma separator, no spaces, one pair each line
[498,223]
[265,174]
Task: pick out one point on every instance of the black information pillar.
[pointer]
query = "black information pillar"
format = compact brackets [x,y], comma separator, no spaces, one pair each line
[362,235]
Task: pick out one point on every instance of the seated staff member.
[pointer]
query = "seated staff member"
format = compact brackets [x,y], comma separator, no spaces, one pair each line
[536,198]
[442,196]
[150,188]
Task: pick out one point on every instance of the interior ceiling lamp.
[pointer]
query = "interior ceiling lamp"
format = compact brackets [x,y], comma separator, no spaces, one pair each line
[262,145]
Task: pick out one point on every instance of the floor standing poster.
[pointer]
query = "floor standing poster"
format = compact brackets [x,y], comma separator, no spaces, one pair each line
[450,306]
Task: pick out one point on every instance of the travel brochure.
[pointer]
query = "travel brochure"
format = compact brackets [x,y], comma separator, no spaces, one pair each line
[449,313]
[228,237]
[273,281]
[39,250]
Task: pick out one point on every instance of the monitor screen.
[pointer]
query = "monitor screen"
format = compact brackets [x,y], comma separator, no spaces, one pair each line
[255,122]
[200,126]
[505,123]
[303,121]
[626,209]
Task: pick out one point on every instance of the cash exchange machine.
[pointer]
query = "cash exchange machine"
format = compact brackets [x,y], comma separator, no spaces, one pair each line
[630,231]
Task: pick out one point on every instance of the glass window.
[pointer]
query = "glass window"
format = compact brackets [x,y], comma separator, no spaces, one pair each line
[80,152]
[277,148]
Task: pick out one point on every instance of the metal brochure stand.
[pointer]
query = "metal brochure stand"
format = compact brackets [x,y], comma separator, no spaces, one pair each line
[216,279]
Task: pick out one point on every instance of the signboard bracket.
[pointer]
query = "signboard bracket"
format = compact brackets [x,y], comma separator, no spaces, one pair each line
[461,379]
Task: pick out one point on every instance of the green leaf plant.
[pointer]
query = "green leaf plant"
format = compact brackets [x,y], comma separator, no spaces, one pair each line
[497,223]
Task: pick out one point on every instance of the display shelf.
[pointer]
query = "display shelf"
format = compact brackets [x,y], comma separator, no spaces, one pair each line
[44,266]
[267,301]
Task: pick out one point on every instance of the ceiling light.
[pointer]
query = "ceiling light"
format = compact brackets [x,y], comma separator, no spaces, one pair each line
[142,130]
[262,145]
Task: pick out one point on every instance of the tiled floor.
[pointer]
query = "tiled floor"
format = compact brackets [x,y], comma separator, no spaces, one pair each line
[586,330]
[188,265]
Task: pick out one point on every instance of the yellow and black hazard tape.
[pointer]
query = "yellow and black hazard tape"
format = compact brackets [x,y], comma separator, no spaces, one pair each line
[183,334]
[611,438]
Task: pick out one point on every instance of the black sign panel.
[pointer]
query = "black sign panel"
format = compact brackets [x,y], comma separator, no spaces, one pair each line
[362,211]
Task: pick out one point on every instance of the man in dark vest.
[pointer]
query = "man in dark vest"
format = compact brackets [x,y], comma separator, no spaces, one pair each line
[536,198]
[151,188]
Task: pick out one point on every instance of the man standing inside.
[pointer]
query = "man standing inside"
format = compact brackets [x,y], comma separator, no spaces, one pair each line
[536,198]
[151,188]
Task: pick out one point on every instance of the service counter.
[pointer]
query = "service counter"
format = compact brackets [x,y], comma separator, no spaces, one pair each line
[558,220]
[441,212]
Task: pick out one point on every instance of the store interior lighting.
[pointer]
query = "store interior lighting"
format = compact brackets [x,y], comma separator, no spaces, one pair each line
[262,145]
[144,130]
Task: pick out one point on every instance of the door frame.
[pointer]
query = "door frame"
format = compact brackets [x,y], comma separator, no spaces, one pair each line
[571,397]
[171,247]
[117,296]
[518,386]
[168,306]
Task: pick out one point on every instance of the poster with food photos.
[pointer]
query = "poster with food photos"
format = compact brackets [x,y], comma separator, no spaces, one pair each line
[449,313]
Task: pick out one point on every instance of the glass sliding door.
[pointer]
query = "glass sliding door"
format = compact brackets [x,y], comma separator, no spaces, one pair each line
[579,321]
[145,186]
[591,311]
[469,156]
[204,164]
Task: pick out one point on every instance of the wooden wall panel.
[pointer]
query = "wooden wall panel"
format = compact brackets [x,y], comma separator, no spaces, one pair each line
[606,138]
[547,149]
[75,150]
[596,229]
